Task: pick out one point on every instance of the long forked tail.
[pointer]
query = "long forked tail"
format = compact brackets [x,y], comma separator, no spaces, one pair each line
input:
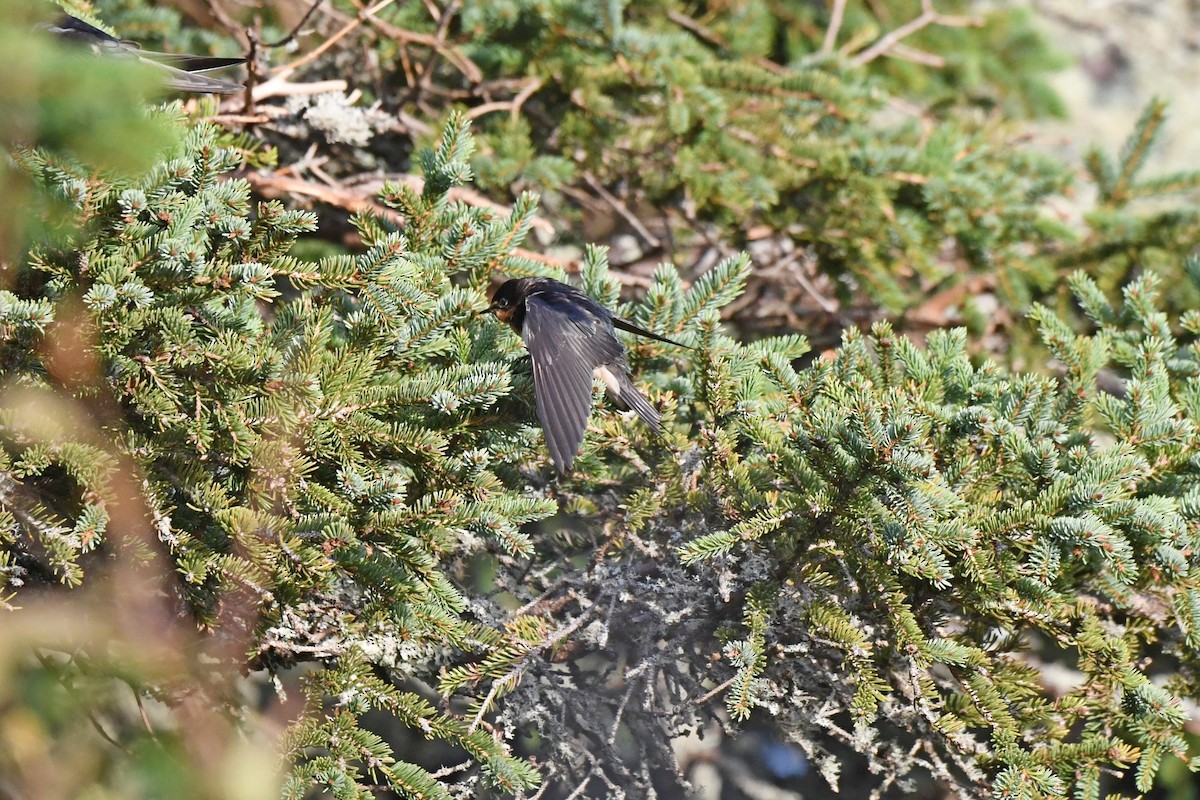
[629,327]
[632,397]
[620,388]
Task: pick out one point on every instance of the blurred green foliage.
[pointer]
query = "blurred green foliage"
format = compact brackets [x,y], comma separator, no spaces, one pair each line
[64,99]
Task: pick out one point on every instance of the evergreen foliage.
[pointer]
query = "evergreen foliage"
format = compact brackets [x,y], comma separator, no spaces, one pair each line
[728,122]
[687,109]
[932,529]
[1125,237]
[68,102]
[312,455]
[891,544]
[225,469]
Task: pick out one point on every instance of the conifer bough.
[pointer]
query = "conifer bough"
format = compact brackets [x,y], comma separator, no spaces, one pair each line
[884,551]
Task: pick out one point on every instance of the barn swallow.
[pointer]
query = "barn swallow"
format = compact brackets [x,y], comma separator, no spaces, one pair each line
[179,69]
[571,340]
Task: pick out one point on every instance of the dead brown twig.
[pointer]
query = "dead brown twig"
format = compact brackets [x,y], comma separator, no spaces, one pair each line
[917,56]
[343,32]
[701,32]
[361,196]
[295,31]
[222,17]
[513,107]
[615,203]
[886,44]
[835,26]
[280,86]
[452,54]
[426,73]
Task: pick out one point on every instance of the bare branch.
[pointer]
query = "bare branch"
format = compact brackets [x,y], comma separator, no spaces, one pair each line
[345,31]
[929,16]
[689,24]
[286,40]
[608,197]
[512,106]
[835,26]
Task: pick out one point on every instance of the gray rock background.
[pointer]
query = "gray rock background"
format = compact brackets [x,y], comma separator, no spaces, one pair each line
[1123,53]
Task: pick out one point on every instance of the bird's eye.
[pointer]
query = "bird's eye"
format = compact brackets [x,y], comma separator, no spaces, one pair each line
[500,302]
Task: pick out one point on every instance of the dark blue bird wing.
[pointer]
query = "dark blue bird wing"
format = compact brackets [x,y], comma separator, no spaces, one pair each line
[566,342]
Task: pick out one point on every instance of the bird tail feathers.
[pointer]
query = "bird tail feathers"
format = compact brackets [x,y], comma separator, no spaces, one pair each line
[638,402]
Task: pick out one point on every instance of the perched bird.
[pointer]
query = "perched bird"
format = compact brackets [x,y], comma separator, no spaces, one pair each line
[570,339]
[180,69]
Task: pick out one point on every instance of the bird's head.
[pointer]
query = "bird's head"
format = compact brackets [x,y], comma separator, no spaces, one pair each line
[507,300]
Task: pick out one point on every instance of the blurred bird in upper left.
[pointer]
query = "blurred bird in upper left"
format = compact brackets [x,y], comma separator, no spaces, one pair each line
[180,70]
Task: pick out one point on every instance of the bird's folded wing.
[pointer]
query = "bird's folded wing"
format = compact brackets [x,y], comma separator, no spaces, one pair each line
[563,355]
